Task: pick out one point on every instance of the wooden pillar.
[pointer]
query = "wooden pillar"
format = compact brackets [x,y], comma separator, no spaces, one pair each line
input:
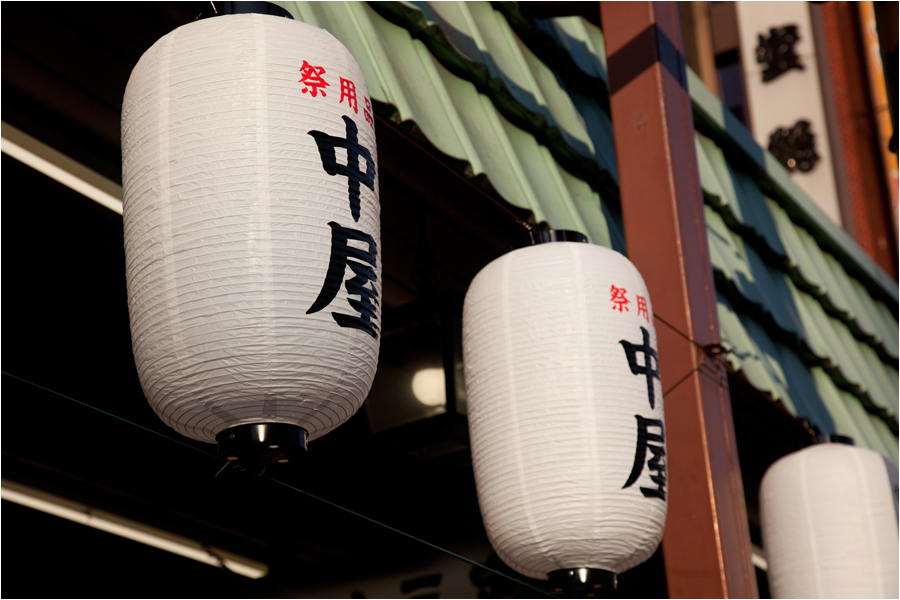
[870,215]
[707,543]
[699,49]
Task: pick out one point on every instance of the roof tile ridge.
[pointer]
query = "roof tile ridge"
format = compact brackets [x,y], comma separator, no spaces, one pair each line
[787,266]
[548,134]
[714,121]
[752,310]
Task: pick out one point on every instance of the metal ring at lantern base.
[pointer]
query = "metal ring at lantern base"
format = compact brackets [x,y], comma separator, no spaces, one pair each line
[582,583]
[557,235]
[260,444]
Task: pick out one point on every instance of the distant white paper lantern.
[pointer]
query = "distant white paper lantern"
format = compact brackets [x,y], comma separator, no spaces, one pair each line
[251,228]
[828,524]
[565,411]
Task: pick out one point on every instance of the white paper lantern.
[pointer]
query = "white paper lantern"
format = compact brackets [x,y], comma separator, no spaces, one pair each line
[565,410]
[828,524]
[251,226]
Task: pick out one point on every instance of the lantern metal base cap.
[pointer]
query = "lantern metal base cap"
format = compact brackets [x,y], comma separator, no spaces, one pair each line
[244,8]
[557,235]
[833,438]
[261,444]
[582,583]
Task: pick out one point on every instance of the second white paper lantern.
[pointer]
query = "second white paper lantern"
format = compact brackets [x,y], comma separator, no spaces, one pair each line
[565,411]
[829,525]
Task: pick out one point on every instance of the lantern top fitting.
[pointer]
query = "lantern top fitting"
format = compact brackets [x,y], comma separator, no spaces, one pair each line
[557,235]
[582,583]
[261,444]
[833,438]
[243,8]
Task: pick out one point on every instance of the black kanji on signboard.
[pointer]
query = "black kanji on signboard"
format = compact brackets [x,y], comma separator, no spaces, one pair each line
[363,263]
[777,53]
[327,145]
[656,462]
[795,147]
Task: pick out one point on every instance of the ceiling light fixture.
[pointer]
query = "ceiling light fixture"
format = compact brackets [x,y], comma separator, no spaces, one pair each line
[58,166]
[429,387]
[133,530]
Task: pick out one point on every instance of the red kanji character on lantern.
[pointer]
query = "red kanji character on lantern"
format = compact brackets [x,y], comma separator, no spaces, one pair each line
[618,298]
[367,111]
[348,91]
[642,308]
[312,77]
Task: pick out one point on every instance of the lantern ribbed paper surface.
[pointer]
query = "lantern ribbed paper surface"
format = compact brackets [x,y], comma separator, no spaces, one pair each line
[253,272]
[828,525]
[567,436]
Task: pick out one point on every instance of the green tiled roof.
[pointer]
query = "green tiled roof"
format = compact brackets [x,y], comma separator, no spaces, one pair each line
[520,105]
[419,80]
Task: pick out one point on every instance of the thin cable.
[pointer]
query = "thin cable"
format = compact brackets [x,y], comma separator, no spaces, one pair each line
[412,537]
[109,414]
[712,351]
[709,349]
[422,149]
[296,489]
[682,380]
[678,331]
[225,466]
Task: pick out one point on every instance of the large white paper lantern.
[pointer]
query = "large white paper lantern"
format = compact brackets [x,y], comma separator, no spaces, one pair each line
[828,524]
[565,411]
[251,229]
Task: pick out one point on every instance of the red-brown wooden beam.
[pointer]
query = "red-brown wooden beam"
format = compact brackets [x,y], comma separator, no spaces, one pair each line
[706,546]
[870,216]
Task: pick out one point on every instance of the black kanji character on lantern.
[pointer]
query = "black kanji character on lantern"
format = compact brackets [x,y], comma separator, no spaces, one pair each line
[327,144]
[362,262]
[777,52]
[795,148]
[650,368]
[657,459]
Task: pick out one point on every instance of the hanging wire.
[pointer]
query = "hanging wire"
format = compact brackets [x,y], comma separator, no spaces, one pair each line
[712,351]
[421,541]
[225,466]
[291,487]
[682,380]
[109,414]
